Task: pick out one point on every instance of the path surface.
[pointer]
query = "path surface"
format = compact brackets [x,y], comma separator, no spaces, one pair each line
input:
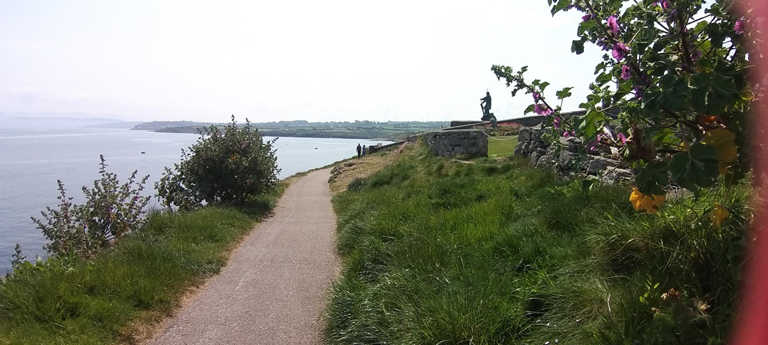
[273,289]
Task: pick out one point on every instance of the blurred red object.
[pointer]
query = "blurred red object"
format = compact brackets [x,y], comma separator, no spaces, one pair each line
[751,323]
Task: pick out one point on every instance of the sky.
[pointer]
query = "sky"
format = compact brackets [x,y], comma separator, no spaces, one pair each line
[333,60]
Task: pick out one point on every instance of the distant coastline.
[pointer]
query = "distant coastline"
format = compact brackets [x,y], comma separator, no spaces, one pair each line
[339,130]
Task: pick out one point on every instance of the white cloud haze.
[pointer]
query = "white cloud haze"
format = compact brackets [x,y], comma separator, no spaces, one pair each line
[281,60]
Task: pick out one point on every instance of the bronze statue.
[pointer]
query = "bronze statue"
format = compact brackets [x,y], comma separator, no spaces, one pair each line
[485,105]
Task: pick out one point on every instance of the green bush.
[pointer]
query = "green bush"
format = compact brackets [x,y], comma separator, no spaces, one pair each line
[110,211]
[226,166]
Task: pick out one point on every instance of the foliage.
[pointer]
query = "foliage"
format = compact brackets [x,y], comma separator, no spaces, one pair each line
[110,211]
[495,252]
[226,166]
[671,91]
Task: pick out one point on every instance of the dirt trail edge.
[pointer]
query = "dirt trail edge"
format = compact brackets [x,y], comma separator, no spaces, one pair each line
[273,289]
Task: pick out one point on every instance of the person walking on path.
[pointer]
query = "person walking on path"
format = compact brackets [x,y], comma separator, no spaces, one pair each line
[363,151]
[358,151]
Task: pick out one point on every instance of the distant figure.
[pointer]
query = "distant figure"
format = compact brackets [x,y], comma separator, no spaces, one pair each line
[359,149]
[485,105]
[363,151]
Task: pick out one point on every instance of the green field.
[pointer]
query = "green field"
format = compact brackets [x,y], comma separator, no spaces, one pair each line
[443,252]
[501,146]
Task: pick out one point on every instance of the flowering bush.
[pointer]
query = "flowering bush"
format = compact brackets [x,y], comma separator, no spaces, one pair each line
[110,211]
[224,167]
[671,91]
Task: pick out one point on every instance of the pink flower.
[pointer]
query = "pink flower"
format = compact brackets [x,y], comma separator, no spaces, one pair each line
[739,27]
[626,72]
[620,50]
[622,137]
[536,96]
[663,3]
[586,17]
[613,25]
[556,123]
[542,110]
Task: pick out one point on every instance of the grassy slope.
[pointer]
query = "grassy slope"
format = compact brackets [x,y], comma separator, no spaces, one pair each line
[499,253]
[119,295]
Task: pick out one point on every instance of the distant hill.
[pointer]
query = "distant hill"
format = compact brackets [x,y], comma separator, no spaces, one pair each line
[161,125]
[63,122]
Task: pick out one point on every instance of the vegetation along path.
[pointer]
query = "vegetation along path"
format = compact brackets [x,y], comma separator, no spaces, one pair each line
[273,289]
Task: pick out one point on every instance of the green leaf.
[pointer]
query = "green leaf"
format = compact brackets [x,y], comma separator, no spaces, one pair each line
[577,46]
[528,110]
[564,93]
[543,86]
[696,168]
[652,178]
[586,25]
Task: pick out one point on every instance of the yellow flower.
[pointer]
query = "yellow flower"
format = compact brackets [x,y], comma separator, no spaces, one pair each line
[648,203]
[233,157]
[721,140]
[719,213]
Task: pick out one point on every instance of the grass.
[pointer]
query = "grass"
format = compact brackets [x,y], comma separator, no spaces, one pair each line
[121,294]
[501,146]
[439,252]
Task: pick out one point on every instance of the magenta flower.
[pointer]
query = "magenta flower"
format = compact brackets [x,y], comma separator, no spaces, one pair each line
[620,50]
[626,72]
[542,110]
[664,4]
[639,92]
[566,134]
[613,25]
[739,27]
[586,17]
[536,96]
[622,137]
[556,123]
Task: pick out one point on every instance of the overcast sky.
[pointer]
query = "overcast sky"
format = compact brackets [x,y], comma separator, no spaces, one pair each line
[281,60]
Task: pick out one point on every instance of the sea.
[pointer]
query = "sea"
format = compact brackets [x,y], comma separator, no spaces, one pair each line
[31,161]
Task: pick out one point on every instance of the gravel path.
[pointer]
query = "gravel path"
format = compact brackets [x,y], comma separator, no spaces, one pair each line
[273,289]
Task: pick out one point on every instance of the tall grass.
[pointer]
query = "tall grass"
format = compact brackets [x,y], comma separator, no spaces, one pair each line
[440,252]
[118,295]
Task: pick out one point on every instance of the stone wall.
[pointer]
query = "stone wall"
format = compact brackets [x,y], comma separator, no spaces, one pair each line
[602,163]
[462,142]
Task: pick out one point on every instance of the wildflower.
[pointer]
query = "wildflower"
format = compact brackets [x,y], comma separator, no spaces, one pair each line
[701,306]
[739,27]
[719,213]
[586,17]
[626,72]
[648,203]
[664,4]
[620,50]
[556,123]
[536,96]
[233,157]
[638,92]
[622,138]
[613,25]
[542,110]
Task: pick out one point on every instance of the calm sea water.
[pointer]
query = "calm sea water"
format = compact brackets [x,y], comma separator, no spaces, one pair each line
[32,161]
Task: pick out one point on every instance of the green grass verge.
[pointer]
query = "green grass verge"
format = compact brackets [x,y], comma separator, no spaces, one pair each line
[119,295]
[501,146]
[439,252]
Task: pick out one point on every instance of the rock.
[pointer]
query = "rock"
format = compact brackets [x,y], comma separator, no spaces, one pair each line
[596,164]
[468,142]
[613,176]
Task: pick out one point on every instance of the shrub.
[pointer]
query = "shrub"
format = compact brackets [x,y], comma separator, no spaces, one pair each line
[226,166]
[671,93]
[110,211]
